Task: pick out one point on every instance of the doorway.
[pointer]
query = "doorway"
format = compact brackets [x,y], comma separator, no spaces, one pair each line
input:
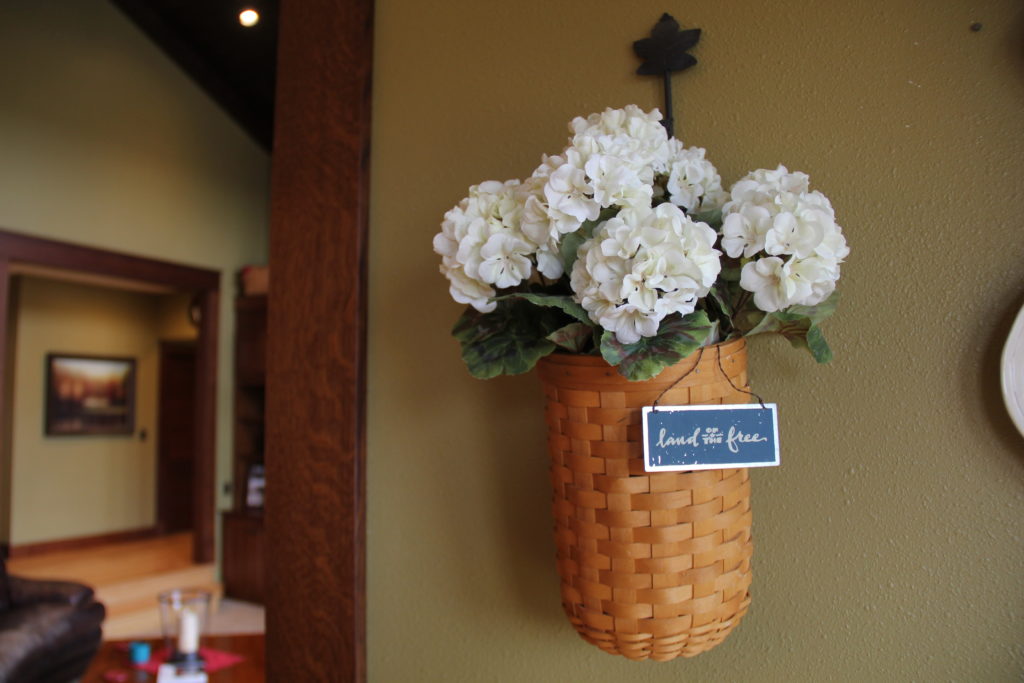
[21,254]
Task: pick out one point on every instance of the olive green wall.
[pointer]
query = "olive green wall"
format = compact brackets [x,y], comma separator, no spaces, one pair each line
[173,322]
[888,544]
[104,483]
[105,142]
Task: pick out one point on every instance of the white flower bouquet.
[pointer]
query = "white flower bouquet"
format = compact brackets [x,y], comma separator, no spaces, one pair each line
[626,246]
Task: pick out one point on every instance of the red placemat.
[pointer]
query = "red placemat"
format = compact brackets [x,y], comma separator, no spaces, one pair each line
[215,660]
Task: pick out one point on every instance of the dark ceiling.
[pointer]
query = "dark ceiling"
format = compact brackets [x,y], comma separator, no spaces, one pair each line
[235,65]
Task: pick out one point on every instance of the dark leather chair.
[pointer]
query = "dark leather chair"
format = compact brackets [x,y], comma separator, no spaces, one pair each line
[49,630]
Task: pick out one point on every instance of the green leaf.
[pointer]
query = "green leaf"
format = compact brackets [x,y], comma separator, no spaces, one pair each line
[730,273]
[509,340]
[720,296]
[560,301]
[712,217]
[678,337]
[800,325]
[574,337]
[818,312]
[747,318]
[572,242]
[817,345]
[784,323]
[801,331]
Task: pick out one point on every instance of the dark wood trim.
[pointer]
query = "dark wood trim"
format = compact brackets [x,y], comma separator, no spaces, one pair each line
[6,395]
[204,548]
[20,248]
[17,247]
[82,542]
[316,379]
[177,344]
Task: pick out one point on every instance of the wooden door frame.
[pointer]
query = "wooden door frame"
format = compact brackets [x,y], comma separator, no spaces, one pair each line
[17,248]
[316,362]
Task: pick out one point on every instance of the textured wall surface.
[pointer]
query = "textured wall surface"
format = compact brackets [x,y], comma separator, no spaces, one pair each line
[106,142]
[888,544]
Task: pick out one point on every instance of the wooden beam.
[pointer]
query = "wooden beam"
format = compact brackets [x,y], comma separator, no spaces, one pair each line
[7,305]
[316,379]
[204,472]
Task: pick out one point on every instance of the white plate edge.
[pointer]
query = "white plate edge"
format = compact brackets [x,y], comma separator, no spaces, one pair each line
[1012,372]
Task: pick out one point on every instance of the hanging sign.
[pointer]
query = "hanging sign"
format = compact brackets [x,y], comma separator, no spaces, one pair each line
[710,437]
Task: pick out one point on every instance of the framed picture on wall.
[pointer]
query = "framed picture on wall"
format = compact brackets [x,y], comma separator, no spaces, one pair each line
[89,395]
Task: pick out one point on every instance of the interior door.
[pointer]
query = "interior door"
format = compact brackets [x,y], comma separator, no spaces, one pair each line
[176,440]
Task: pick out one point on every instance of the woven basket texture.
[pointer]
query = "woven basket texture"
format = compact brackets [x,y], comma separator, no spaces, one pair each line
[652,565]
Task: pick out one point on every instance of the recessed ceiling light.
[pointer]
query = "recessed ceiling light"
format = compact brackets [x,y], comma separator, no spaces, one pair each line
[248,17]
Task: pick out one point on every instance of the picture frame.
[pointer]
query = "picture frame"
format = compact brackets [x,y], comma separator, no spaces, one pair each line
[89,395]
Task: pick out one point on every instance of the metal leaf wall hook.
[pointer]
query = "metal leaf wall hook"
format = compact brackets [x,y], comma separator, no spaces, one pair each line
[664,52]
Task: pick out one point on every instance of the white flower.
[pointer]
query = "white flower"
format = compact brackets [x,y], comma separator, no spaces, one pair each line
[629,322]
[773,284]
[775,214]
[798,236]
[570,197]
[820,274]
[744,230]
[643,265]
[504,260]
[534,220]
[453,229]
[481,244]
[466,290]
[693,182]
[610,161]
[492,209]
[833,245]
[537,226]
[547,165]
[630,133]
[616,181]
[765,185]
[779,284]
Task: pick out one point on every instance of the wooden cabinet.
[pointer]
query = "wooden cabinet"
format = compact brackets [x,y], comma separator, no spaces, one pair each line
[243,526]
[250,384]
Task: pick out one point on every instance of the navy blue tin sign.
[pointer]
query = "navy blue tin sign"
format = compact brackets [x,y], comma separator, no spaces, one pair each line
[710,437]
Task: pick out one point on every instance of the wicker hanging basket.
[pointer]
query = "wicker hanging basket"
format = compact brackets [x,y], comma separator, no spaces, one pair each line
[652,565]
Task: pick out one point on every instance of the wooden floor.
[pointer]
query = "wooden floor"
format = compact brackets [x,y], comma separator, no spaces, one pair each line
[126,577]
[111,563]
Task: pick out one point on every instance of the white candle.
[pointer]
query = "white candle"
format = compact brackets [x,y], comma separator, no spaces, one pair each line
[188,632]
